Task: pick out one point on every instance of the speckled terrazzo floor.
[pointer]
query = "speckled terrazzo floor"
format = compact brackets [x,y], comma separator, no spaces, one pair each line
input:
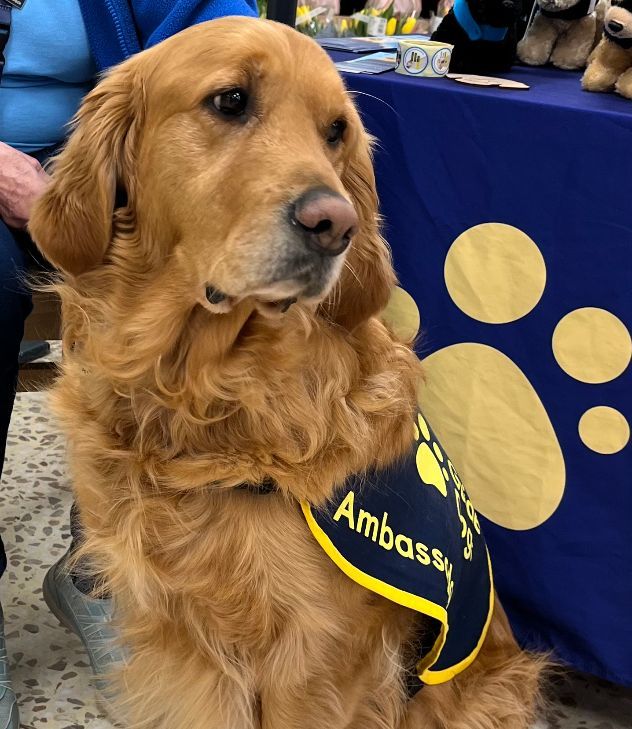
[50,672]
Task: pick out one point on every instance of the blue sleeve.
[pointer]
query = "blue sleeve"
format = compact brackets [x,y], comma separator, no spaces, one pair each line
[159,19]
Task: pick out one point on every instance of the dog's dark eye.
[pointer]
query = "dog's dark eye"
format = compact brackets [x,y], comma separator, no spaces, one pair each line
[232,102]
[336,132]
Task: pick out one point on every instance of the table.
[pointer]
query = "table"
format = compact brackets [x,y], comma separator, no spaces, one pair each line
[509,215]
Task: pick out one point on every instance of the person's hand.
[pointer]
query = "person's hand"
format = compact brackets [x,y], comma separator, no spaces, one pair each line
[22,181]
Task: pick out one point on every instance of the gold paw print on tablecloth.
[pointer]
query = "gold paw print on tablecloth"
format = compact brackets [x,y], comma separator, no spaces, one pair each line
[480,403]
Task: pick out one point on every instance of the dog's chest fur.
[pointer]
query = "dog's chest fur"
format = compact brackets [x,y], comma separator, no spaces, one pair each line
[267,591]
[257,550]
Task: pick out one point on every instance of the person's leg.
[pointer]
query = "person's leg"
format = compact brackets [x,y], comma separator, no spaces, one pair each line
[67,594]
[15,305]
[3,558]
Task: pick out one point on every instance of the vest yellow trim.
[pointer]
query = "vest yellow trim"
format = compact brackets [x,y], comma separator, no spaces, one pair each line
[434,678]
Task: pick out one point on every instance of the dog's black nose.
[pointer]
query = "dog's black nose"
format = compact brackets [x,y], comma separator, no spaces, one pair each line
[614,26]
[327,218]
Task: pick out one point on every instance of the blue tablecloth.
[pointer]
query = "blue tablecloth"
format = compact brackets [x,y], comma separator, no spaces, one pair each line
[509,215]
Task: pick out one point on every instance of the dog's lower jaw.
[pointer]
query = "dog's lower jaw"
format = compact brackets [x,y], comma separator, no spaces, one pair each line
[274,309]
[221,307]
[269,309]
[217,302]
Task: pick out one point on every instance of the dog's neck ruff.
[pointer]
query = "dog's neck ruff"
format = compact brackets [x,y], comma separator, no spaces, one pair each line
[409,533]
[580,10]
[625,43]
[474,30]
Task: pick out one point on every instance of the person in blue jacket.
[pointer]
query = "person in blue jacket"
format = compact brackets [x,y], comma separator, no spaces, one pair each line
[55,50]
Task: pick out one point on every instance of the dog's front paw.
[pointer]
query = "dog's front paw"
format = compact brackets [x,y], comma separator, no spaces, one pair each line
[567,58]
[536,47]
[624,84]
[599,78]
[533,53]
[573,48]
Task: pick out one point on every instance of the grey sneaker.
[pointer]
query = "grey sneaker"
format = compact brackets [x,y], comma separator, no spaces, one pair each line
[8,704]
[89,618]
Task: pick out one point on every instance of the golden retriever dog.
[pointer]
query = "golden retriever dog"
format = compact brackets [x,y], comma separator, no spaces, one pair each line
[215,218]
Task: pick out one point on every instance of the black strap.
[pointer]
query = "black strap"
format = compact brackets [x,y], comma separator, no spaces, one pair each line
[5,29]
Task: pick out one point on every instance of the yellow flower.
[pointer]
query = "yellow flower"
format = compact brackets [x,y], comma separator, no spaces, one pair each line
[409,25]
[344,26]
[302,10]
[391,26]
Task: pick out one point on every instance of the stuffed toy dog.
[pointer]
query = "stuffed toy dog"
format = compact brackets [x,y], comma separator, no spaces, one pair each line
[610,66]
[562,33]
[483,33]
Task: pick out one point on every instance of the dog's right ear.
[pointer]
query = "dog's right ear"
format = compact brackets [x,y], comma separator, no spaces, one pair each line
[72,221]
[367,279]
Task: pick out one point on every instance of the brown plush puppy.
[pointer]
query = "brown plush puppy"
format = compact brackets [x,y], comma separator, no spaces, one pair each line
[563,33]
[610,66]
[225,334]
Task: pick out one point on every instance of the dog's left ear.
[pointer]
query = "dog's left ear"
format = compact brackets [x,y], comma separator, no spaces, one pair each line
[72,221]
[367,279]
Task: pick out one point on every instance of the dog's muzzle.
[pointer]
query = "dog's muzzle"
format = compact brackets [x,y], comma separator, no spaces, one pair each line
[325,221]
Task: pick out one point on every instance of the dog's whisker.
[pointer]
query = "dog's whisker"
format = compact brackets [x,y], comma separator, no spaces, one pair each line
[352,271]
[353,92]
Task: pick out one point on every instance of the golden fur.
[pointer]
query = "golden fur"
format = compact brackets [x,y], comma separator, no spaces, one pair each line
[233,616]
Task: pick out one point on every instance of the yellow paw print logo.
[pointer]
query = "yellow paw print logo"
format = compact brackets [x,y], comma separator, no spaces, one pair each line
[430,458]
[482,405]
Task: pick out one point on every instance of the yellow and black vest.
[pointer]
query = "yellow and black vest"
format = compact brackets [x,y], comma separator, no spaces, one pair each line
[410,534]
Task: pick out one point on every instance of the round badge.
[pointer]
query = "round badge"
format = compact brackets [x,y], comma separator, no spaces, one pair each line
[441,61]
[415,60]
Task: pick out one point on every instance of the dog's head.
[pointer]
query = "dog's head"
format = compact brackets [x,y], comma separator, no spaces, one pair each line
[498,13]
[232,157]
[618,22]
